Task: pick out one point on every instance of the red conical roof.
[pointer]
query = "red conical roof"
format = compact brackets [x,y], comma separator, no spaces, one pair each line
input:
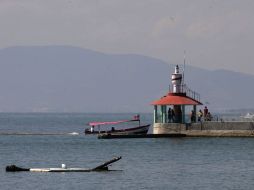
[176,99]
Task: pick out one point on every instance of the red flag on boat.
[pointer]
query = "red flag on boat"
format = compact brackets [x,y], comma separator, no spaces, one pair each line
[136,117]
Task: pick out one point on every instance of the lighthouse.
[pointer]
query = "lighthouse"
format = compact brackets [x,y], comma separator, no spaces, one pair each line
[169,110]
[178,88]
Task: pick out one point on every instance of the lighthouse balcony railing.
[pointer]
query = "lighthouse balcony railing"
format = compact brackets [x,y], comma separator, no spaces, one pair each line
[184,89]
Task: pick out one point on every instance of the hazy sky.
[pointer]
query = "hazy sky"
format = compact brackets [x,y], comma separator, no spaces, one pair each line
[215,33]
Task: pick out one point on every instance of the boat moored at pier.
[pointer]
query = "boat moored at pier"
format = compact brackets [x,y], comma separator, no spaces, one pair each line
[95,127]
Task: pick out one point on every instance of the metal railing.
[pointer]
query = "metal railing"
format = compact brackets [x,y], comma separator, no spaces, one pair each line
[184,89]
[213,118]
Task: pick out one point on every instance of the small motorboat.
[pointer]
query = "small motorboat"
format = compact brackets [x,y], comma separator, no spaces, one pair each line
[140,129]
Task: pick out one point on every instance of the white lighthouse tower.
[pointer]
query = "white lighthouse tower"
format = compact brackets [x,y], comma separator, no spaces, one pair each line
[176,79]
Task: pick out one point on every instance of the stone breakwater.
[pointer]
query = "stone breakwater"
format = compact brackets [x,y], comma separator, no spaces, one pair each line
[207,129]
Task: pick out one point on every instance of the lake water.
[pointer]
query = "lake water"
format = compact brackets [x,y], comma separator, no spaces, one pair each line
[165,163]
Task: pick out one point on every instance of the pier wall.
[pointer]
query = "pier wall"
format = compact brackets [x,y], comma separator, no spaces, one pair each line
[206,128]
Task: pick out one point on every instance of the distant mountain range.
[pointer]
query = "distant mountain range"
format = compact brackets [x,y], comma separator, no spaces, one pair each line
[71,79]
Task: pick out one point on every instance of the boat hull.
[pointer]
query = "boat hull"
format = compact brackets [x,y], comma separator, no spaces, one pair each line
[135,130]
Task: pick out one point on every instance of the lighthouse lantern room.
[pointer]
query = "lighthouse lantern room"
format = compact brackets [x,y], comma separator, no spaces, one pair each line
[171,107]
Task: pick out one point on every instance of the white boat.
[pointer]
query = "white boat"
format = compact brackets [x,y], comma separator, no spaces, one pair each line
[248,116]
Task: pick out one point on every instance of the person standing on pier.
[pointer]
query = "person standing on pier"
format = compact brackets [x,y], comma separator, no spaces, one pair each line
[200,115]
[205,113]
[169,115]
[192,116]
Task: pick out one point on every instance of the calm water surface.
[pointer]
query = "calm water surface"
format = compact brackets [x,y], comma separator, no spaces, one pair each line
[166,163]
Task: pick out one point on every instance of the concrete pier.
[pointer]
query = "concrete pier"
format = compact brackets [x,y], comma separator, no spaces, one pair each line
[207,129]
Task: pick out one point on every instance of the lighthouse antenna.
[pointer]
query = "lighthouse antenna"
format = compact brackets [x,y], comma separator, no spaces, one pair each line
[184,64]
